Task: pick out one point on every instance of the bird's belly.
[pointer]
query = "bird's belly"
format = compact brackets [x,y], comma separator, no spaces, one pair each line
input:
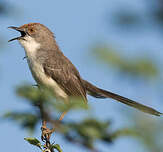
[43,80]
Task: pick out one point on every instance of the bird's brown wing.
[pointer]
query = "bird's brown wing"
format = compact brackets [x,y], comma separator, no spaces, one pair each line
[63,72]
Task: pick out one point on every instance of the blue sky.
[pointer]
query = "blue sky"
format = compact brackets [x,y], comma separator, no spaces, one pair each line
[77,25]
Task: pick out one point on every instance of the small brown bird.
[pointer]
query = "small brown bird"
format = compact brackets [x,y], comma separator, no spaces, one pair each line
[50,68]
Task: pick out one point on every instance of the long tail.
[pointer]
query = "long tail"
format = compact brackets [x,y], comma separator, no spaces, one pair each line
[100,93]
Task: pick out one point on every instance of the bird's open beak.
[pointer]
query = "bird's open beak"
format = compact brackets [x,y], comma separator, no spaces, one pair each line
[23,33]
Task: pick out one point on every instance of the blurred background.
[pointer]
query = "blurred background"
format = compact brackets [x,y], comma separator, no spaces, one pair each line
[116,44]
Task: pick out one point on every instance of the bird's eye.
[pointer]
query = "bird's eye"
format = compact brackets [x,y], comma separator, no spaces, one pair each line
[31,30]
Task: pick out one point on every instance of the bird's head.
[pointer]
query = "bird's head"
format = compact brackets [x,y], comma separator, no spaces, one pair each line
[33,33]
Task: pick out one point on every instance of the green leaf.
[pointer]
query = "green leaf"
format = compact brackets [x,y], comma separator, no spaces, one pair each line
[57,147]
[33,95]
[24,119]
[139,66]
[33,141]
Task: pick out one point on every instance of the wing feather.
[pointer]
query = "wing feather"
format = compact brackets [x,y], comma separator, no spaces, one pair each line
[66,76]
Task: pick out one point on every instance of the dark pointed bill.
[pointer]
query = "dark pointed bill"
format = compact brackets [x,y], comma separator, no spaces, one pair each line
[13,39]
[13,27]
[17,29]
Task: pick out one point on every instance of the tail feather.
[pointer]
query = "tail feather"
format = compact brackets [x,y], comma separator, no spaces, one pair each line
[100,93]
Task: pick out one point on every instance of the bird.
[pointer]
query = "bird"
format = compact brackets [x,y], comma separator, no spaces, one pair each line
[52,69]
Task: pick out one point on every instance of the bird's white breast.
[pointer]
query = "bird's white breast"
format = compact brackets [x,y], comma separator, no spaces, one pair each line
[31,47]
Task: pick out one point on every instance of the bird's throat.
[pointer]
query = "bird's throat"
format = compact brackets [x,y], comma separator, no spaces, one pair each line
[30,46]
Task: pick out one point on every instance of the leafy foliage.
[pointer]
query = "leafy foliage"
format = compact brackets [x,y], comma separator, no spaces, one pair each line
[85,132]
[25,119]
[34,141]
[37,143]
[57,147]
[142,67]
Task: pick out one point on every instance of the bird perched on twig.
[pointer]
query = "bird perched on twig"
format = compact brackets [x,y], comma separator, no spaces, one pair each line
[51,69]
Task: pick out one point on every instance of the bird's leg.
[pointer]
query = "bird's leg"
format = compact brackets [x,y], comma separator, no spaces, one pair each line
[60,119]
[46,133]
[62,116]
[66,101]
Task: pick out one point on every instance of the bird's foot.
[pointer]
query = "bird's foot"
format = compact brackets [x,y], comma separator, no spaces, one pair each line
[46,133]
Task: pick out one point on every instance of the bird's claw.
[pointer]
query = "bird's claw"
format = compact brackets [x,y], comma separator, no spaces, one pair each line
[46,133]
